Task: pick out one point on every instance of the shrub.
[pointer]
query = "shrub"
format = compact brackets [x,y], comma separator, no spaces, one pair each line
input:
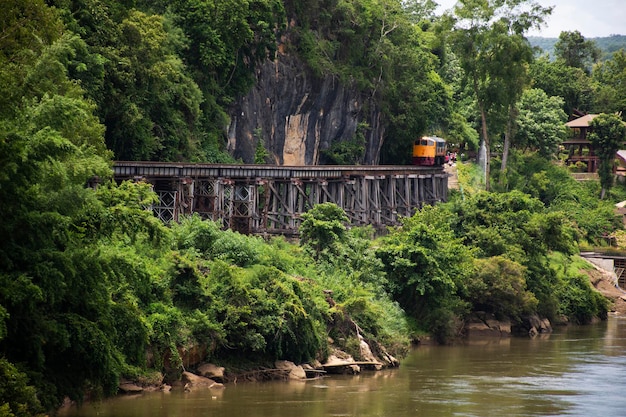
[499,287]
[17,398]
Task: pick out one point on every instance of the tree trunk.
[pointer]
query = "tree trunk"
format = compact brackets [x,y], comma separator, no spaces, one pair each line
[507,144]
[483,117]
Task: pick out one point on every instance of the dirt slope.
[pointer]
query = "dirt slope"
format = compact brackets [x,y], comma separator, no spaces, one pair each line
[603,282]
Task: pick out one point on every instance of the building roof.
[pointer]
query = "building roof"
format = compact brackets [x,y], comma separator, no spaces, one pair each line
[582,121]
[621,156]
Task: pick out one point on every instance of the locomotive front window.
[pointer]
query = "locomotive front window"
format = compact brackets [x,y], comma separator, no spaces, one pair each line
[424,142]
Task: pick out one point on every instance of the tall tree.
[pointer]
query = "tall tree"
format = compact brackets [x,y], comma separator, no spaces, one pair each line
[488,39]
[558,79]
[575,51]
[608,133]
[540,124]
[514,78]
[610,76]
[151,106]
[25,25]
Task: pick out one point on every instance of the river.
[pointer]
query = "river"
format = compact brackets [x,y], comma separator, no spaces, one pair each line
[575,371]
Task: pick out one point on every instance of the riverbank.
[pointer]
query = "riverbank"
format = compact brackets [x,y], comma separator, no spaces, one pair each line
[516,377]
[604,282]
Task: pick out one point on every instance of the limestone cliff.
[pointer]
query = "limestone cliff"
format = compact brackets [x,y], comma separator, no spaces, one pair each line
[298,115]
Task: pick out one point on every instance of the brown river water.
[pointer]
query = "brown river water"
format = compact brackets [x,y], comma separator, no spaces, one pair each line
[575,371]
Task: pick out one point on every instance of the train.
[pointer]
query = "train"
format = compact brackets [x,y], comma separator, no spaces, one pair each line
[429,151]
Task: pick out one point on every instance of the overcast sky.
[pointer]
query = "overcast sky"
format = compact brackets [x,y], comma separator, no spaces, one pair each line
[592,18]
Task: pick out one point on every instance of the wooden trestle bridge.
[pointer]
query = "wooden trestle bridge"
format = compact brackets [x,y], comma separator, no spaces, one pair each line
[268,199]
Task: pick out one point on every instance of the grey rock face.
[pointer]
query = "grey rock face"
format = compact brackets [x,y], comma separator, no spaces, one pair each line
[298,115]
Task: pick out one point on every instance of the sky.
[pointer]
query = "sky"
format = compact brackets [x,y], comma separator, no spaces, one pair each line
[592,18]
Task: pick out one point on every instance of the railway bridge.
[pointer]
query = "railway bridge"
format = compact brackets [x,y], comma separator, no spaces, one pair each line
[269,199]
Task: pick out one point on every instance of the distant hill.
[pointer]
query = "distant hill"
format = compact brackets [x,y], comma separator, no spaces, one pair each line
[608,44]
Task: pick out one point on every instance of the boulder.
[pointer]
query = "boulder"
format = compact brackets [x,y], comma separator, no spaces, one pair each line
[192,355]
[130,388]
[533,326]
[367,355]
[214,372]
[315,364]
[296,372]
[388,359]
[482,324]
[192,381]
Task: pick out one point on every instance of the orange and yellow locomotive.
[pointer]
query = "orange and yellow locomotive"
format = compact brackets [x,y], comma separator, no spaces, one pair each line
[429,151]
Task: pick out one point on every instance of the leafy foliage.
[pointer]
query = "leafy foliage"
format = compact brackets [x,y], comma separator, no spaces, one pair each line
[540,123]
[516,226]
[610,76]
[322,228]
[575,51]
[89,273]
[348,152]
[607,135]
[578,300]
[590,217]
[559,80]
[499,287]
[489,41]
[21,398]
[426,267]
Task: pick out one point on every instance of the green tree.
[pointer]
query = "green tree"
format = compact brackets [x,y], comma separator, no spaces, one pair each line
[53,286]
[515,78]
[488,39]
[610,76]
[412,95]
[557,79]
[427,266]
[420,11]
[323,228]
[540,124]
[499,287]
[516,226]
[349,152]
[607,136]
[575,51]
[26,27]
[261,154]
[17,398]
[149,103]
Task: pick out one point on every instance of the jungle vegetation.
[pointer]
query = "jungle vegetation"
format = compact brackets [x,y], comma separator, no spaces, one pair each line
[93,288]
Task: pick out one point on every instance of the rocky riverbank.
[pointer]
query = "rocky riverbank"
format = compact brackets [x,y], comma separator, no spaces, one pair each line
[210,376]
[480,325]
[605,282]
